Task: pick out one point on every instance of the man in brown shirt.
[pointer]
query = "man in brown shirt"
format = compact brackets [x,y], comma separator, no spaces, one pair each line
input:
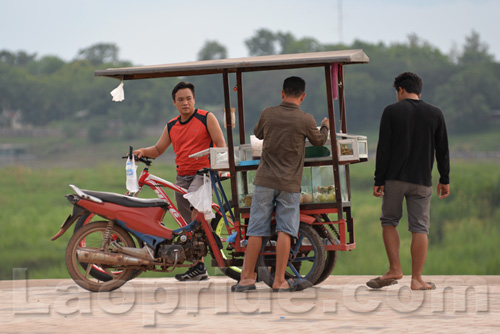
[284,129]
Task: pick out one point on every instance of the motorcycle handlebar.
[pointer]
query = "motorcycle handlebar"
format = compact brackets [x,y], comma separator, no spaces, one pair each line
[145,160]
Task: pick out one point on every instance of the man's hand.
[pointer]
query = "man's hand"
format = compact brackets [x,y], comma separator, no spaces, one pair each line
[378,191]
[325,122]
[443,190]
[139,153]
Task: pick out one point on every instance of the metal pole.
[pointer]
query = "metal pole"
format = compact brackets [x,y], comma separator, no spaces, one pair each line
[230,143]
[333,141]
[241,114]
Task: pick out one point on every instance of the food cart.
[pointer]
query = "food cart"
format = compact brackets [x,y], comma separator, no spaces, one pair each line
[326,196]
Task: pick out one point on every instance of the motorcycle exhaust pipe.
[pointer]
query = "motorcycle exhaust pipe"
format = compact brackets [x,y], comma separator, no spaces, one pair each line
[116,259]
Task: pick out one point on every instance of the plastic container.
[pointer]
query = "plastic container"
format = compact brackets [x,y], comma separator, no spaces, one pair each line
[246,188]
[256,146]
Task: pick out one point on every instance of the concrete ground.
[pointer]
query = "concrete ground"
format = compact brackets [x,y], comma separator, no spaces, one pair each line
[460,304]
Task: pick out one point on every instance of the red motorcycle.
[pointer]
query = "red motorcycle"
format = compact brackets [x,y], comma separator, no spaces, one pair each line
[109,245]
[103,255]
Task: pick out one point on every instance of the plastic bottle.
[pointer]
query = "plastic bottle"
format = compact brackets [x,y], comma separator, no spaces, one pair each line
[130,169]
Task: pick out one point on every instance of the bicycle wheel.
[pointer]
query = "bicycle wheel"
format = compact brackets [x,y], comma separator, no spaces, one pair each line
[307,256]
[219,227]
[91,237]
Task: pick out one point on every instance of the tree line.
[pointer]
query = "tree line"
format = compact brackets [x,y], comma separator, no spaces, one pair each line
[47,91]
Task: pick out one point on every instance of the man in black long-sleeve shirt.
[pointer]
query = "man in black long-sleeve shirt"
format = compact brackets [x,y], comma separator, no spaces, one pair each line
[411,133]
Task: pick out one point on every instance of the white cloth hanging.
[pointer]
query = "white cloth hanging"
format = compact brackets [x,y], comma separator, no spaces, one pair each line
[118,93]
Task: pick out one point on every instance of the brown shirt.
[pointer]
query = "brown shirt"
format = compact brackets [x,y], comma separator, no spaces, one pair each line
[284,129]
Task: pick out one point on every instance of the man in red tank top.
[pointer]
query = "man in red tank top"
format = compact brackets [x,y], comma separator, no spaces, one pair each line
[193,130]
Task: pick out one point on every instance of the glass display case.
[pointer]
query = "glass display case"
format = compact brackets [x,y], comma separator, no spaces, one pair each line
[318,186]
[350,148]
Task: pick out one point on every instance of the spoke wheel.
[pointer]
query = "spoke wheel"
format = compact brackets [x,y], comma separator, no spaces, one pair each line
[307,257]
[330,256]
[95,271]
[91,237]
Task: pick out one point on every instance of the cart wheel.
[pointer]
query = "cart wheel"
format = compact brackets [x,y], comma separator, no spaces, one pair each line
[331,256]
[307,256]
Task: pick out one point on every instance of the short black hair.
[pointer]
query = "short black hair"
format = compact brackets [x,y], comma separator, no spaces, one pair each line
[294,86]
[182,85]
[409,81]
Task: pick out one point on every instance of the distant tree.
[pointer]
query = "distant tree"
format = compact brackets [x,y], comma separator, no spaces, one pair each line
[475,51]
[468,97]
[285,40]
[7,57]
[46,65]
[212,50]
[98,54]
[303,45]
[263,43]
[21,58]
[289,44]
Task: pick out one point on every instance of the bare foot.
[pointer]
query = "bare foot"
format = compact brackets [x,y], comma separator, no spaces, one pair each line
[419,284]
[281,285]
[392,274]
[248,280]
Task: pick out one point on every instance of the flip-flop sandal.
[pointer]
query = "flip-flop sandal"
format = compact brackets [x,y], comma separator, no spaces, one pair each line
[296,284]
[242,288]
[377,283]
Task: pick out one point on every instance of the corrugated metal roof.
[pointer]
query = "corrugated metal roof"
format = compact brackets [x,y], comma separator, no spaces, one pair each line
[247,64]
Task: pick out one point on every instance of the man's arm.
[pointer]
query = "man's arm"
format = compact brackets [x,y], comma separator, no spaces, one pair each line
[155,151]
[384,144]
[315,136]
[258,130]
[215,131]
[442,151]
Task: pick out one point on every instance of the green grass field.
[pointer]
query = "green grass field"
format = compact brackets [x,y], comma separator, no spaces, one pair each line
[463,239]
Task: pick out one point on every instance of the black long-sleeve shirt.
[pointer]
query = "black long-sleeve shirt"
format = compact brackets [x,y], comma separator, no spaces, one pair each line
[411,133]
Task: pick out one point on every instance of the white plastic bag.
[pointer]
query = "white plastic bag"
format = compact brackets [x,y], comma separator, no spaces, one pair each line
[201,199]
[118,93]
[130,169]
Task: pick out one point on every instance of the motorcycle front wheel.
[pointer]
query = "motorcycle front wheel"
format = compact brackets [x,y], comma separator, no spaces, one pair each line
[91,238]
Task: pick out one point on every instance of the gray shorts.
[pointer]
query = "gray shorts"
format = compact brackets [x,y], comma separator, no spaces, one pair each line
[287,215]
[418,202]
[190,183]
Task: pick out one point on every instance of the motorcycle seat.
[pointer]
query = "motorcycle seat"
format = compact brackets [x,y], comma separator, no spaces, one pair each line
[128,201]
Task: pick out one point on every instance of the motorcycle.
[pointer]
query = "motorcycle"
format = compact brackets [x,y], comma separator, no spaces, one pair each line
[110,246]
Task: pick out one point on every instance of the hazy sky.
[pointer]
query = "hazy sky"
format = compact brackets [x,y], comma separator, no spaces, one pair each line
[152,32]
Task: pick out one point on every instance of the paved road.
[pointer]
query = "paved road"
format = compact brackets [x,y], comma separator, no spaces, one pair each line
[460,304]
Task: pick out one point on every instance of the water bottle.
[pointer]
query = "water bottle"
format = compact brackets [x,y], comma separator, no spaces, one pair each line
[130,169]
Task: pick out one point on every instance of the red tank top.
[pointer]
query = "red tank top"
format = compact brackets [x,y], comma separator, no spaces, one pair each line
[187,138]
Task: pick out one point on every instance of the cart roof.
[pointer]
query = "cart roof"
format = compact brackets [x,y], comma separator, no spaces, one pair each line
[247,64]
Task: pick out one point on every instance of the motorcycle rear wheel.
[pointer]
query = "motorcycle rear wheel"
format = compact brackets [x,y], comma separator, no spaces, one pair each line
[96,271]
[91,237]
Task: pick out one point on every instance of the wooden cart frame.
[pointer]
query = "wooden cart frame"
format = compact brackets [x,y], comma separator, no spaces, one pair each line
[333,63]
